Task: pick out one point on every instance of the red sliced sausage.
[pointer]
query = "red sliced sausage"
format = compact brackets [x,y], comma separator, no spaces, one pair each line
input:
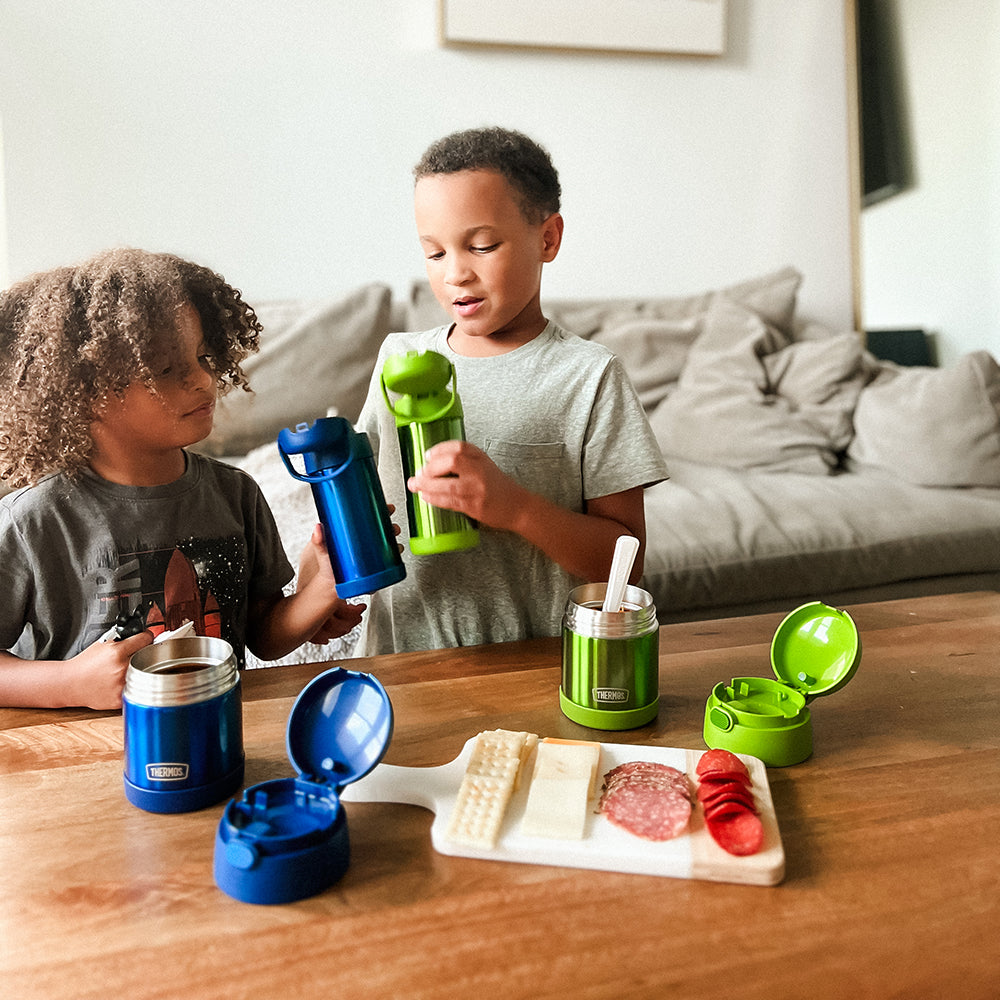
[720,760]
[740,833]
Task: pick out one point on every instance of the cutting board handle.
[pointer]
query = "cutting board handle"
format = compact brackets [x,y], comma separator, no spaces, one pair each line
[413,786]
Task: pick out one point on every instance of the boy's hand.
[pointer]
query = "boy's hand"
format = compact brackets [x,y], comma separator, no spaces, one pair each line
[96,675]
[461,477]
[343,618]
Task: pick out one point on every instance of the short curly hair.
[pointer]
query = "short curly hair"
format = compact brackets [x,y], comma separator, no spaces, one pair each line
[75,335]
[525,165]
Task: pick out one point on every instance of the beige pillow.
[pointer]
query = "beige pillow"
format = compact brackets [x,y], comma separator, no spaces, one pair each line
[821,380]
[749,398]
[315,355]
[933,426]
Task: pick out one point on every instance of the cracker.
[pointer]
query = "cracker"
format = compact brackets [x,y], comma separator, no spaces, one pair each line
[487,785]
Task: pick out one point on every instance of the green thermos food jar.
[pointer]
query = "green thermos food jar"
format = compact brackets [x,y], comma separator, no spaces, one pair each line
[610,659]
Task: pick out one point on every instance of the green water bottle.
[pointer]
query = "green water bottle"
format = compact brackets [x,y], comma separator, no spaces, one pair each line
[427,411]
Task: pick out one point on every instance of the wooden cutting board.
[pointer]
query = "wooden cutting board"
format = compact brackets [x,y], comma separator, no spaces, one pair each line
[604,846]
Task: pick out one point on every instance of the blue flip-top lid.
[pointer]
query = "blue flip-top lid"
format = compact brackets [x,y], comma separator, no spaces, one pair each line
[286,839]
[339,727]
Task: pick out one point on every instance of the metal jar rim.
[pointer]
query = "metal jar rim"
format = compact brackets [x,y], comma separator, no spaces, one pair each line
[150,682]
[583,615]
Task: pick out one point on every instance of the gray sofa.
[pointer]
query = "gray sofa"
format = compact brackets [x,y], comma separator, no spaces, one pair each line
[801,467]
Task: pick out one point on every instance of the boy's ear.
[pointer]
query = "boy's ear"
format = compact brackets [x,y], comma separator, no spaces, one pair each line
[552,233]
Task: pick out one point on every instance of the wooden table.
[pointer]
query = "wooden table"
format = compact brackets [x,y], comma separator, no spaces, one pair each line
[890,831]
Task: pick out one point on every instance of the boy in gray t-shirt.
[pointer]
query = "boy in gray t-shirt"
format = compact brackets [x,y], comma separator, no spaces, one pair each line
[558,449]
[109,371]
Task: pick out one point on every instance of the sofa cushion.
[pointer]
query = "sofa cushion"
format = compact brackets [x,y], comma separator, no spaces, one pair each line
[933,426]
[719,538]
[651,336]
[750,397]
[315,355]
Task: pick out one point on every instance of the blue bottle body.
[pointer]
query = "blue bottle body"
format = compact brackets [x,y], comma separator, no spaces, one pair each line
[340,469]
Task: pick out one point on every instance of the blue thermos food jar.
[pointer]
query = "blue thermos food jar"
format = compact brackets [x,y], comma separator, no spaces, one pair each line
[340,468]
[183,725]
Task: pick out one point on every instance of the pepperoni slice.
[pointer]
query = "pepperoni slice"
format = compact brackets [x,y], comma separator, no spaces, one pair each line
[739,833]
[710,790]
[720,760]
[724,791]
[718,777]
[734,794]
[724,807]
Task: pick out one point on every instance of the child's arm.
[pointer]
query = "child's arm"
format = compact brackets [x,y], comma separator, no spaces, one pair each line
[314,613]
[94,678]
[459,476]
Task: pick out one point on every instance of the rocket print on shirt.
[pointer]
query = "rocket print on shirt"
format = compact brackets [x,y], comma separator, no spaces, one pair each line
[202,581]
[184,602]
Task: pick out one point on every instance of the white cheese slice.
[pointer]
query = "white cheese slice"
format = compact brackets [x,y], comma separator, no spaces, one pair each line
[563,782]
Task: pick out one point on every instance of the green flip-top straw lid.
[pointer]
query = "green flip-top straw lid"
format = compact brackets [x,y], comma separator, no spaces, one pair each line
[421,379]
[816,649]
[416,373]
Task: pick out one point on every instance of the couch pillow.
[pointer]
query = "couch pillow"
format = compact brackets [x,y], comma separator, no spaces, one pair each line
[315,355]
[750,398]
[821,379]
[933,426]
[650,336]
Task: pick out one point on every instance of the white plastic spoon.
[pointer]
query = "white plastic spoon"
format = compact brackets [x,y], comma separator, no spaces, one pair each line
[621,566]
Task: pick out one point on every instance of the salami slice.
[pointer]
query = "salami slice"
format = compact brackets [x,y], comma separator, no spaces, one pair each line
[647,769]
[649,800]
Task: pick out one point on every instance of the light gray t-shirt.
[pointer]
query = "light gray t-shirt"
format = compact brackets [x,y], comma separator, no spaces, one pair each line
[74,553]
[560,416]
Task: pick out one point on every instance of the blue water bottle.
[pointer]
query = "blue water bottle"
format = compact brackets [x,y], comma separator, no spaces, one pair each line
[340,468]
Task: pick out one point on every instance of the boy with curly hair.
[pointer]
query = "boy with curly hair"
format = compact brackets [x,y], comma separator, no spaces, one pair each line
[559,450]
[109,372]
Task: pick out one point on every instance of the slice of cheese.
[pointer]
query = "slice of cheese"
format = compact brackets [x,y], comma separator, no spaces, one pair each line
[563,782]
[591,752]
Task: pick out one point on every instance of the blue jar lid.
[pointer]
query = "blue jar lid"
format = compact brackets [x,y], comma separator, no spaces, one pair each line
[287,839]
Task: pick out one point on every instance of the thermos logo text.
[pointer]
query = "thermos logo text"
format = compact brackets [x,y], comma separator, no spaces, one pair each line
[166,772]
[610,694]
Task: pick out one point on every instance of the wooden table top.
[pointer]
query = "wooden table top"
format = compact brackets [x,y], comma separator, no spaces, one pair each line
[892,885]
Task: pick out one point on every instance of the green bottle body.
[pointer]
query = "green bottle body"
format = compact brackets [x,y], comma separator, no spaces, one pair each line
[427,412]
[432,529]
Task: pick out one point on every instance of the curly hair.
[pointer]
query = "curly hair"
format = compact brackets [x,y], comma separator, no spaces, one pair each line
[526,166]
[75,335]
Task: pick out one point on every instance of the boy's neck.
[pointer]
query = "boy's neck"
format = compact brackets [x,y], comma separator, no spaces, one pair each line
[500,341]
[140,470]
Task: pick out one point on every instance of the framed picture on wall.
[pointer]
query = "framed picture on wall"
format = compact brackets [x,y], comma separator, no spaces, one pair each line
[692,27]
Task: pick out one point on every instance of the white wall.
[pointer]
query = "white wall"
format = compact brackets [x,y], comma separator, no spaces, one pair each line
[274,141]
[931,255]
